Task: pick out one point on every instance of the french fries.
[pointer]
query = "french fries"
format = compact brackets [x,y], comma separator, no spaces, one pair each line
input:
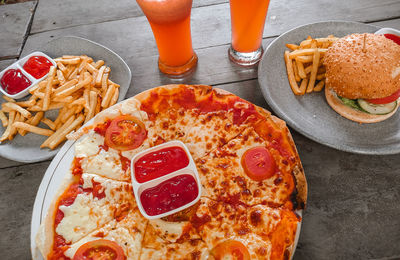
[304,64]
[78,88]
[33,129]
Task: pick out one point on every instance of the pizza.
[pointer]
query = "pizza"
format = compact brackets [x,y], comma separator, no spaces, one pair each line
[253,184]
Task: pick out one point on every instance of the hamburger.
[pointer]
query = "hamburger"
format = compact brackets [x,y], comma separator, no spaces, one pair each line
[363,77]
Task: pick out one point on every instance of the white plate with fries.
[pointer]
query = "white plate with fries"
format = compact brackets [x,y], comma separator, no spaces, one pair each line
[89,78]
[302,104]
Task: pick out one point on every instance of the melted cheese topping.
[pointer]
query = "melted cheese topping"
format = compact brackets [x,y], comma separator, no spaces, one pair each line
[88,213]
[106,164]
[170,231]
[89,145]
[129,241]
[82,217]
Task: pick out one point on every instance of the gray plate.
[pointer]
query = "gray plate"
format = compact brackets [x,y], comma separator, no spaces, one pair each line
[27,149]
[310,114]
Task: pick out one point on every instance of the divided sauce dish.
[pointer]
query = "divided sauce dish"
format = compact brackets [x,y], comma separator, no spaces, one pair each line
[186,172]
[19,65]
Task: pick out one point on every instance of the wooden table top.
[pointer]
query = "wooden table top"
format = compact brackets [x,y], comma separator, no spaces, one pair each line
[353,203]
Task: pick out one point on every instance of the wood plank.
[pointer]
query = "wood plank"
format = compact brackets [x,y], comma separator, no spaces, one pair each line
[212,25]
[286,14]
[214,68]
[57,14]
[394,23]
[133,37]
[14,23]
[282,15]
[18,191]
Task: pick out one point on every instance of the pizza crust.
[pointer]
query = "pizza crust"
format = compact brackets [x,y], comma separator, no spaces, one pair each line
[298,172]
[45,236]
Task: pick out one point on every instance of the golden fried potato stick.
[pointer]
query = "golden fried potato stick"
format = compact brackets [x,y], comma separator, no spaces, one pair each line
[62,134]
[319,86]
[292,46]
[3,118]
[114,98]
[49,88]
[314,71]
[303,86]
[300,69]
[69,61]
[12,106]
[8,99]
[35,120]
[6,133]
[49,123]
[33,129]
[296,72]
[290,72]
[305,52]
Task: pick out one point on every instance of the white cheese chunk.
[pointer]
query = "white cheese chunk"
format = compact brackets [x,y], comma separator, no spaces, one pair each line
[106,164]
[170,231]
[89,145]
[82,217]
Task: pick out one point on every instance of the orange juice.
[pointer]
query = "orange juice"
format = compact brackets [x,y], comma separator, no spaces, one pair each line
[170,23]
[247,20]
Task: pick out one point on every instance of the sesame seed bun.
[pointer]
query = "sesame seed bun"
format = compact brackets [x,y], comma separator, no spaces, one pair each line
[353,114]
[353,71]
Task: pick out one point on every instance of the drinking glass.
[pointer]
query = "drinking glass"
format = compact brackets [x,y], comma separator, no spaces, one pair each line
[247,21]
[170,23]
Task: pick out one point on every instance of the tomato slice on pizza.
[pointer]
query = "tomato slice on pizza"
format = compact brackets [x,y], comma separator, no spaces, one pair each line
[230,249]
[258,163]
[100,249]
[125,133]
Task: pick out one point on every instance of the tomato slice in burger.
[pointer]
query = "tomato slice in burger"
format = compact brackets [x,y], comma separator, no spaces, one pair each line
[258,163]
[385,100]
[230,249]
[100,249]
[125,133]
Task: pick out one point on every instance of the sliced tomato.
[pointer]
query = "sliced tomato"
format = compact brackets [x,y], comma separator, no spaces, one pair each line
[258,163]
[385,100]
[101,249]
[230,249]
[125,133]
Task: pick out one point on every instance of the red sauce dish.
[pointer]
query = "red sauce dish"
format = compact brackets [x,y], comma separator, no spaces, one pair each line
[14,81]
[159,163]
[393,37]
[18,78]
[37,66]
[165,180]
[169,195]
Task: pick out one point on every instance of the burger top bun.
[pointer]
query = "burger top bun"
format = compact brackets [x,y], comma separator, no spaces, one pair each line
[357,70]
[353,114]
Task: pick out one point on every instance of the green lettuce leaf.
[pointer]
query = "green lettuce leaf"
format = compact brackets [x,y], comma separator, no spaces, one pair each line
[351,103]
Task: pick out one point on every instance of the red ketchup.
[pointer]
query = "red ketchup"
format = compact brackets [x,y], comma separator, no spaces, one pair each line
[13,81]
[37,66]
[159,163]
[393,37]
[169,195]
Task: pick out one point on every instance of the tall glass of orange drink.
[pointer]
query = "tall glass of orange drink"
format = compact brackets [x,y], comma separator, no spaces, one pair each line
[170,23]
[247,21]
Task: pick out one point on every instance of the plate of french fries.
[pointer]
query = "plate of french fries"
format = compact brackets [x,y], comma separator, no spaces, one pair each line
[291,76]
[88,79]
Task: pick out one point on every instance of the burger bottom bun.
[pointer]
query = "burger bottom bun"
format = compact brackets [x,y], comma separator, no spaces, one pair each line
[353,114]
